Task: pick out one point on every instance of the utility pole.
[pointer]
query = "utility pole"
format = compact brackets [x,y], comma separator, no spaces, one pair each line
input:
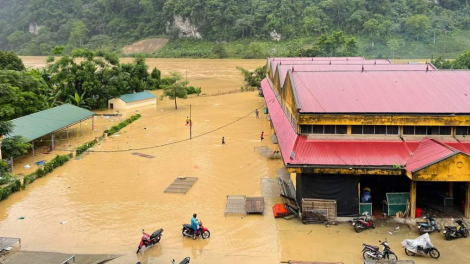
[186,74]
[190,124]
[444,51]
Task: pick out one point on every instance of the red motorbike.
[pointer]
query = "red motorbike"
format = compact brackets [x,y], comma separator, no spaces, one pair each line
[150,240]
[363,223]
[188,231]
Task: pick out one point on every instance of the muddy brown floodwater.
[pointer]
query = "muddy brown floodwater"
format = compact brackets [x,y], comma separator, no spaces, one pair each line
[106,198]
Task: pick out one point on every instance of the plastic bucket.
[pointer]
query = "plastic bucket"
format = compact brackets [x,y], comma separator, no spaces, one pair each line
[418,212]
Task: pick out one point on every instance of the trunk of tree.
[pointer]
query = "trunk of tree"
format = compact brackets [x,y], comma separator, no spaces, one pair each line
[176,106]
[434,36]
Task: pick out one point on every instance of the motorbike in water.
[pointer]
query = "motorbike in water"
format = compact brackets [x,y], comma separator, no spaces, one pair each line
[188,231]
[362,223]
[460,230]
[370,252]
[149,240]
[184,261]
[429,226]
[420,246]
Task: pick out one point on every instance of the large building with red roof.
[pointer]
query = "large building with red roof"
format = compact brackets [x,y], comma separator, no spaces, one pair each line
[346,123]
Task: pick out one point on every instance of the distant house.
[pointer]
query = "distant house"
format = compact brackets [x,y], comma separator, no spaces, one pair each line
[130,101]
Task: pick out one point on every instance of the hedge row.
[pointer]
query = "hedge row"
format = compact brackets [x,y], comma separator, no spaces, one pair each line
[85,147]
[9,189]
[115,129]
[58,161]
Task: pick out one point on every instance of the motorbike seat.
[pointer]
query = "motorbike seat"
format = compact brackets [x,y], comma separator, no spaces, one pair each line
[187,226]
[451,227]
[156,233]
[370,246]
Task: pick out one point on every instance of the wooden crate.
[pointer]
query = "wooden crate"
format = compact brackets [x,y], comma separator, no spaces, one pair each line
[318,210]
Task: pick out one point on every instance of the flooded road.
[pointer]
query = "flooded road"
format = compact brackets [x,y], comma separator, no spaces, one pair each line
[107,197]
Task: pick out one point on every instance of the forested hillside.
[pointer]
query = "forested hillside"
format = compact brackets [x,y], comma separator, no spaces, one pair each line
[33,27]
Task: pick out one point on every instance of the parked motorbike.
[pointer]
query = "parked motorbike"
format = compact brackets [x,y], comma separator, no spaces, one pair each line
[188,231]
[370,252]
[429,226]
[460,230]
[150,240]
[420,246]
[184,261]
[363,223]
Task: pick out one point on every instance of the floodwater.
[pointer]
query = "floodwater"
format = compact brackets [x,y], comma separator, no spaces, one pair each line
[107,197]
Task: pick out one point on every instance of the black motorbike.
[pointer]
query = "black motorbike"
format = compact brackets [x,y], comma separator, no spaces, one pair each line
[460,230]
[184,261]
[370,252]
[429,226]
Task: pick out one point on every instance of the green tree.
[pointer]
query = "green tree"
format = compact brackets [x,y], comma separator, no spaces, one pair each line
[371,27]
[10,61]
[417,25]
[176,88]
[78,36]
[14,147]
[78,100]
[219,51]
[393,45]
[462,61]
[6,127]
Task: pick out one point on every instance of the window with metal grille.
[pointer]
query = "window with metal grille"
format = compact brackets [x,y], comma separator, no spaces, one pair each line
[323,129]
[462,131]
[427,130]
[374,130]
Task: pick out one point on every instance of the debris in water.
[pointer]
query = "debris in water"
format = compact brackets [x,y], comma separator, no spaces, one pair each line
[64,222]
[27,166]
[21,218]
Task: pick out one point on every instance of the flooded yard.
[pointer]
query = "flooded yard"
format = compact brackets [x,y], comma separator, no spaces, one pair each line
[100,203]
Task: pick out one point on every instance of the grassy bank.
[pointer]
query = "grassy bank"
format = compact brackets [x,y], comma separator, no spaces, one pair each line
[455,43]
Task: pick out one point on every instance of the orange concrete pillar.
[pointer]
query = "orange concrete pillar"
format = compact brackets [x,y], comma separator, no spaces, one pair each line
[413,199]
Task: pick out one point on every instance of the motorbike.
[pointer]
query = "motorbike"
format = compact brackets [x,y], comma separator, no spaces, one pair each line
[370,252]
[420,246]
[362,223]
[150,240]
[184,261]
[188,231]
[460,230]
[429,226]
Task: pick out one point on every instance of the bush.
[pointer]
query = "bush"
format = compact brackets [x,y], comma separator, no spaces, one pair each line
[9,189]
[193,90]
[85,147]
[115,129]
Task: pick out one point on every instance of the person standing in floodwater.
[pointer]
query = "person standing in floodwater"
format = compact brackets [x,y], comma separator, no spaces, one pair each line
[262,136]
[187,120]
[223,140]
[257,114]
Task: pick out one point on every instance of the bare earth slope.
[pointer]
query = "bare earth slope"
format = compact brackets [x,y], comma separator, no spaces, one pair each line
[151,45]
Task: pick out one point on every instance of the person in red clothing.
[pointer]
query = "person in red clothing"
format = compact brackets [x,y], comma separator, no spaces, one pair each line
[262,136]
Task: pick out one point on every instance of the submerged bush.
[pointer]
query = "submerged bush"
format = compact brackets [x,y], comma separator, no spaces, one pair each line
[115,129]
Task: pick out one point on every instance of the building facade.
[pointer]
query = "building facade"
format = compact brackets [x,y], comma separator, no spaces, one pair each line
[344,124]
[132,101]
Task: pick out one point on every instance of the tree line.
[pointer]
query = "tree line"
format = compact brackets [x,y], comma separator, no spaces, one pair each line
[83,78]
[109,24]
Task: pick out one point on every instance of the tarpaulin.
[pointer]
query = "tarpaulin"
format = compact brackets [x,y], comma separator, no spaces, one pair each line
[342,188]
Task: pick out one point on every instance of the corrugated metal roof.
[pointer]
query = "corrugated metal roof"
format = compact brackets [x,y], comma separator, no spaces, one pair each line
[45,122]
[383,92]
[274,64]
[352,66]
[284,131]
[349,153]
[429,152]
[128,98]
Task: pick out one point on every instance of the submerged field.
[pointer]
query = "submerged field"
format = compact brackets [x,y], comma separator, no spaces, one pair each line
[107,197]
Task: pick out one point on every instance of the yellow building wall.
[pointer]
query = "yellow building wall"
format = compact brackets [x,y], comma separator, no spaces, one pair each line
[118,104]
[453,169]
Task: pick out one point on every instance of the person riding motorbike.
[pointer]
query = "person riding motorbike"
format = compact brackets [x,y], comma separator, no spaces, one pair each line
[195,225]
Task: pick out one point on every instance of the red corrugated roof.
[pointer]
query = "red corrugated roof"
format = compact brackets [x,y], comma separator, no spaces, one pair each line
[383,92]
[353,66]
[340,61]
[429,152]
[284,131]
[349,153]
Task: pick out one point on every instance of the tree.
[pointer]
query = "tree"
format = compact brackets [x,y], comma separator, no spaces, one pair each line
[417,25]
[78,100]
[78,36]
[6,128]
[371,27]
[176,88]
[10,61]
[14,147]
[393,45]
[462,61]
[219,51]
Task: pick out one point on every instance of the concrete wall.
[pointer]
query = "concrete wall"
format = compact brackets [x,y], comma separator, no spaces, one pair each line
[119,104]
